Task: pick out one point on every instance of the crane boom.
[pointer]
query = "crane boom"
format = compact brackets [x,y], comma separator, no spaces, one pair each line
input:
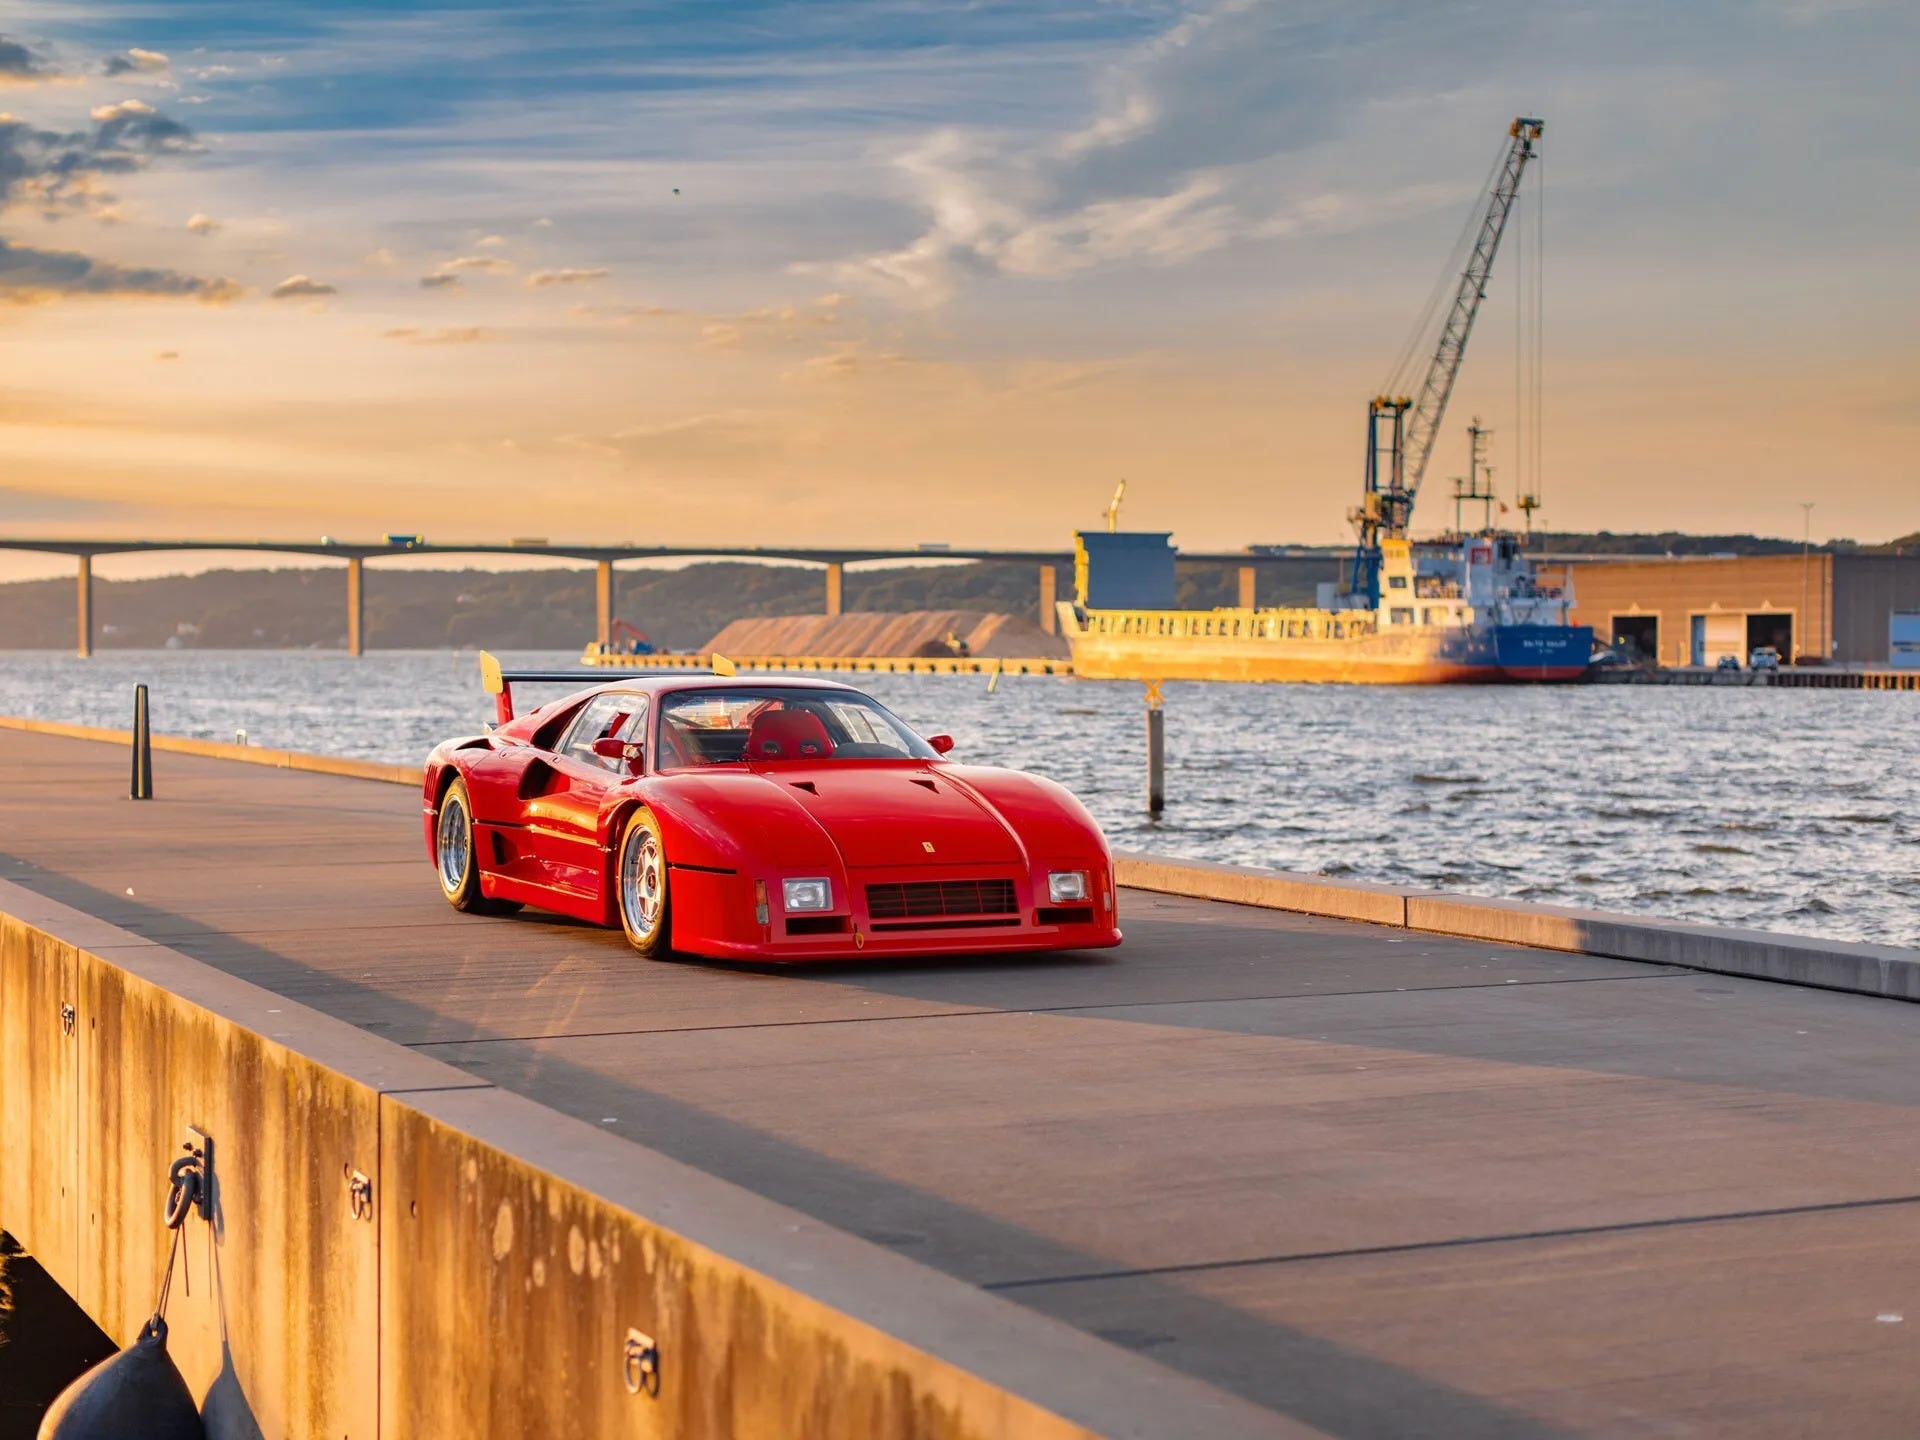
[1401,431]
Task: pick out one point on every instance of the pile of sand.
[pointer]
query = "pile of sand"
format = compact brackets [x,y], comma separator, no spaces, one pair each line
[987,634]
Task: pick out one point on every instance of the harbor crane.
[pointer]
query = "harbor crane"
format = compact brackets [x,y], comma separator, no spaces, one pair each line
[1401,429]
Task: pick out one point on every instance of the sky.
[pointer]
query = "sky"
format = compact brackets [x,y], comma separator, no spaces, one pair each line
[910,271]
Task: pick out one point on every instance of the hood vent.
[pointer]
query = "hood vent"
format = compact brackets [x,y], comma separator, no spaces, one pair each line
[928,784]
[806,785]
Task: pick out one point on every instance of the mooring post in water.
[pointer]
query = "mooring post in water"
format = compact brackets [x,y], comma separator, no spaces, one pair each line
[1156,752]
[142,747]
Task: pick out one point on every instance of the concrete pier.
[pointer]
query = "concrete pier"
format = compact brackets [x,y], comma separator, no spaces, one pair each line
[84,606]
[603,603]
[356,606]
[1256,1172]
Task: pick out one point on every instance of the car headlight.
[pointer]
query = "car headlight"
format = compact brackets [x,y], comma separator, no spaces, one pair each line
[1066,887]
[810,894]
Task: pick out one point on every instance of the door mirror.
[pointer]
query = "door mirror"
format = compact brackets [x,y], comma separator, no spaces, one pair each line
[941,743]
[630,752]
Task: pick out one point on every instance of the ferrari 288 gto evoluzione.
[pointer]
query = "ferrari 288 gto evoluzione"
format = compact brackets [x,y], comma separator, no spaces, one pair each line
[775,819]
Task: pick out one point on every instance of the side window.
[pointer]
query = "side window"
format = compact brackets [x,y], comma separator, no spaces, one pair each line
[607,715]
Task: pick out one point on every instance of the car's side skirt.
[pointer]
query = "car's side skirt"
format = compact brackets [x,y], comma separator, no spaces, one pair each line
[592,908]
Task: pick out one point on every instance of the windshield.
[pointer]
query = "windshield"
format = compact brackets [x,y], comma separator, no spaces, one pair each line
[725,727]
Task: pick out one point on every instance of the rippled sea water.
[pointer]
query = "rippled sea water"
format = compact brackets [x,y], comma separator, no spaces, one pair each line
[1793,810]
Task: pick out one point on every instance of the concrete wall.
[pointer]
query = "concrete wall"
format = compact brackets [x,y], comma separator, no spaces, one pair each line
[1268,889]
[1890,971]
[491,1286]
[221,750]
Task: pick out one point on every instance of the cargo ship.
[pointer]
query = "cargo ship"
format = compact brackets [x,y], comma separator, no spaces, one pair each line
[1464,610]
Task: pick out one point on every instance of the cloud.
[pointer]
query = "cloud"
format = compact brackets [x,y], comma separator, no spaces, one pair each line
[856,359]
[481,264]
[839,365]
[719,443]
[19,65]
[202,224]
[768,327]
[168,355]
[61,172]
[296,287]
[490,242]
[439,281]
[125,110]
[1187,151]
[447,335]
[772,324]
[137,62]
[624,314]
[566,276]
[29,275]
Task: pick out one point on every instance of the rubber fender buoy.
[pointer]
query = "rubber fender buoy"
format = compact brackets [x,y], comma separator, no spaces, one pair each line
[137,1391]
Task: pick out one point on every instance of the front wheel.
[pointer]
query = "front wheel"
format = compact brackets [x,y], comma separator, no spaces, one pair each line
[641,876]
[454,857]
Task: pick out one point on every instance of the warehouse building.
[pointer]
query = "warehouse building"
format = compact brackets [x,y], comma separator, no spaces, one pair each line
[1685,610]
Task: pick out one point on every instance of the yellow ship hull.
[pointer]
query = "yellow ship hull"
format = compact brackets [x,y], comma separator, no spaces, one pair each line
[1313,646]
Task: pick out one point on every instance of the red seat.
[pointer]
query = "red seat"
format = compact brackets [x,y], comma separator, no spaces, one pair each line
[788,735]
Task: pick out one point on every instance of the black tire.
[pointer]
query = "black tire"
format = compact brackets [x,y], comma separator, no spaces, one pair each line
[454,861]
[643,853]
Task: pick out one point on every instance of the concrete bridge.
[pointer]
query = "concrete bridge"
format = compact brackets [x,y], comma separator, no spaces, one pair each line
[1300,1158]
[832,560]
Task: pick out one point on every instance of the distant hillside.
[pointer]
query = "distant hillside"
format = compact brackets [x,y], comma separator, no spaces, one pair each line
[1670,542]
[525,609]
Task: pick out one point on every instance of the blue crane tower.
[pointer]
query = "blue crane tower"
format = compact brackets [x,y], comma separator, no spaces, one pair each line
[1401,430]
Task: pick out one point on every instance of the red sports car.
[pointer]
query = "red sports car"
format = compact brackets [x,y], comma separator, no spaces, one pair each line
[778,819]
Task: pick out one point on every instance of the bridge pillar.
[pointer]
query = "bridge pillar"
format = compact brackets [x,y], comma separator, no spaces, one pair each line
[86,606]
[603,604]
[356,607]
[1246,587]
[1049,587]
[836,573]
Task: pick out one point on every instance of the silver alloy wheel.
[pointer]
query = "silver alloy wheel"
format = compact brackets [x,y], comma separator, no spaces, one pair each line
[642,890]
[451,845]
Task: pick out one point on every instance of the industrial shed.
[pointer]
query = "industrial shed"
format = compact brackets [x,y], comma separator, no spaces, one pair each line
[1688,610]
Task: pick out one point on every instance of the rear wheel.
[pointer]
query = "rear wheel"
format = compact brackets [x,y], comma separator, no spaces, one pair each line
[641,876]
[455,859]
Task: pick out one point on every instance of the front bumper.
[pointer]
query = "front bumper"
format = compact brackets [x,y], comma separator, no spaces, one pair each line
[713,915]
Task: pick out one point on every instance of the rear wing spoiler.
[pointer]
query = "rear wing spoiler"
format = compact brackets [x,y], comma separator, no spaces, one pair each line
[499,683]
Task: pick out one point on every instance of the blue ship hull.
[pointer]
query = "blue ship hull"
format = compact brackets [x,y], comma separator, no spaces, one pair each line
[1536,652]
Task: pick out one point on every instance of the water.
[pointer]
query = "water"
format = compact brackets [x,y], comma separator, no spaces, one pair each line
[46,1342]
[1786,810]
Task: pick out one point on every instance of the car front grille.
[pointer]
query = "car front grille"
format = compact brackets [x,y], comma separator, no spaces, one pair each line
[940,899]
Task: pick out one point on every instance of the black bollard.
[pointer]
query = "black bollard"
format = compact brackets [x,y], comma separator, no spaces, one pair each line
[139,1391]
[142,747]
[1156,753]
